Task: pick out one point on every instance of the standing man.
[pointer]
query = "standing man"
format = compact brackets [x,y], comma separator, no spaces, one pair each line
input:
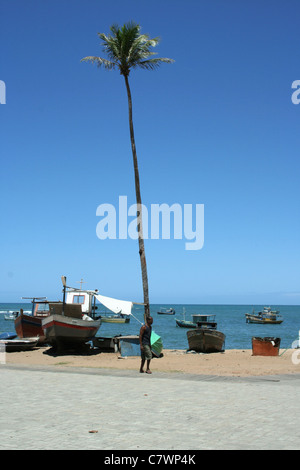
[146,354]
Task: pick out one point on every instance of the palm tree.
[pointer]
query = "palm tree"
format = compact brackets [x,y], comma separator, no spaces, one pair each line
[127,49]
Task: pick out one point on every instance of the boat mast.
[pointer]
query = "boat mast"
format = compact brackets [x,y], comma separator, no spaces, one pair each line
[81,282]
[64,281]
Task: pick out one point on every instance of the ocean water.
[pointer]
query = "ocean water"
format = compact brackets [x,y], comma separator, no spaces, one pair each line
[230,318]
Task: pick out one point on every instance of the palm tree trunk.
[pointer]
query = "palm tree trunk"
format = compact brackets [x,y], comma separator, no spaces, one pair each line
[139,205]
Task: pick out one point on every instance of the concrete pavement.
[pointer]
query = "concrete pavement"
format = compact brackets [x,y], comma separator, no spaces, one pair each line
[56,408]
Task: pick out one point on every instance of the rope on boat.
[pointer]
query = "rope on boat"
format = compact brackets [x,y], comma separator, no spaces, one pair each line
[137,319]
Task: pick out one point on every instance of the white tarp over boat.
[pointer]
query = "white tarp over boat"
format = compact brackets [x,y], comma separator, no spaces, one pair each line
[117,306]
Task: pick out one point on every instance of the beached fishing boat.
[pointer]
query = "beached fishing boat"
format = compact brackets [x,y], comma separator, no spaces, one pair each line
[205,341]
[69,328]
[30,325]
[68,324]
[19,344]
[205,338]
[73,322]
[266,316]
[166,311]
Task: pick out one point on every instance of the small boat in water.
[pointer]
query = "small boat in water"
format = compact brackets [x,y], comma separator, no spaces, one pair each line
[10,315]
[19,344]
[166,311]
[114,318]
[205,338]
[185,323]
[197,318]
[266,316]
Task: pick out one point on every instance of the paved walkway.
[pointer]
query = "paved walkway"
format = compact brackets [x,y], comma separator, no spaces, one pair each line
[51,408]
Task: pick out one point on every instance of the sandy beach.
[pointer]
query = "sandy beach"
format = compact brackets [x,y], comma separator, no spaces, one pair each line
[239,363]
[229,400]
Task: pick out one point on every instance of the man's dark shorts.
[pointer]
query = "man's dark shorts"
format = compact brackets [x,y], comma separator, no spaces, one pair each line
[146,352]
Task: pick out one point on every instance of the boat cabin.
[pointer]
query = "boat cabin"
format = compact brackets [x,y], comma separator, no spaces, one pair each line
[68,310]
[77,304]
[205,321]
[40,308]
[86,299]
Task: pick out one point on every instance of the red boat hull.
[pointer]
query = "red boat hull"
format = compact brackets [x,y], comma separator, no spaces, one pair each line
[27,326]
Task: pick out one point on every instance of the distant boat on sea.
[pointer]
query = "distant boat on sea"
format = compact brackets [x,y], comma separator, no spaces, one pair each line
[267,316]
[185,323]
[10,315]
[166,311]
[117,318]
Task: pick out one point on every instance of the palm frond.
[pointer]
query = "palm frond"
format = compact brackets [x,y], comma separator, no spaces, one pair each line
[99,61]
[152,64]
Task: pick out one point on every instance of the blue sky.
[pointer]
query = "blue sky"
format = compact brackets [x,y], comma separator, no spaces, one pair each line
[217,127]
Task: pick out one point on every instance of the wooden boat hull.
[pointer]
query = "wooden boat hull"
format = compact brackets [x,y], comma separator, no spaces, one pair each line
[205,340]
[265,346]
[28,326]
[13,345]
[61,330]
